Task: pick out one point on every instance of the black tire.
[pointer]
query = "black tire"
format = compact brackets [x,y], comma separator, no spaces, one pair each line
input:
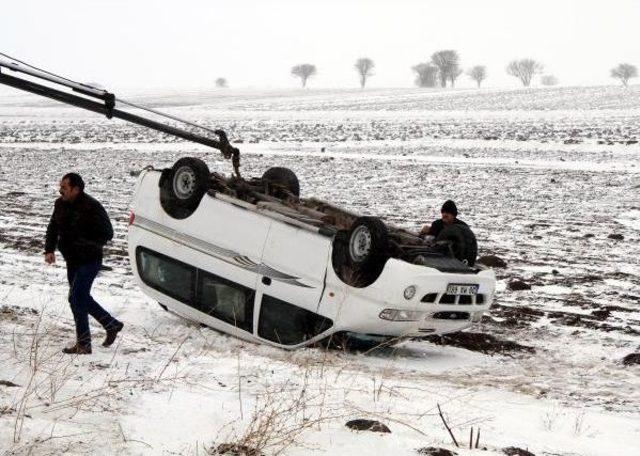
[359,255]
[339,255]
[283,177]
[462,242]
[368,242]
[182,187]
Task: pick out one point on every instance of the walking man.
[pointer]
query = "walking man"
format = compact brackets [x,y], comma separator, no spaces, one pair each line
[79,228]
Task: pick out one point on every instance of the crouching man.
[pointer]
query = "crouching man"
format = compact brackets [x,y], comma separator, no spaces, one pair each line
[79,228]
[449,213]
[462,242]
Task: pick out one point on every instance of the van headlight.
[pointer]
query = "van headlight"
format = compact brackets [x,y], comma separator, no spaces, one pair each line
[409,292]
[401,315]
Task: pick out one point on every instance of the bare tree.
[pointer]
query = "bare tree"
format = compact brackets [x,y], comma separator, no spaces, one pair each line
[448,63]
[478,73]
[221,83]
[524,69]
[304,71]
[364,67]
[453,75]
[427,74]
[624,72]
[548,80]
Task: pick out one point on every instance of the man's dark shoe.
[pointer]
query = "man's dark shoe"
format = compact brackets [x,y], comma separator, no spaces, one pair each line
[112,333]
[77,350]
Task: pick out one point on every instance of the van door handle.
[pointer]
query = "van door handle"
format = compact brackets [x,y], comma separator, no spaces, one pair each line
[266,280]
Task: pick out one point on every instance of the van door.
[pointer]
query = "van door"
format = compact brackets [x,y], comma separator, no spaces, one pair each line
[294,265]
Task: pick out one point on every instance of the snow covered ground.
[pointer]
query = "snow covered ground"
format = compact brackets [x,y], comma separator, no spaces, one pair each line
[544,177]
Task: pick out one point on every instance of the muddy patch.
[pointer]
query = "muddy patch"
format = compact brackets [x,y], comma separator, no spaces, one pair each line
[513,316]
[631,359]
[480,342]
[593,321]
[368,425]
[12,313]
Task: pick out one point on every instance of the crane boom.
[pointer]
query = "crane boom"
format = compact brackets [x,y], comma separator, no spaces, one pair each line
[107,106]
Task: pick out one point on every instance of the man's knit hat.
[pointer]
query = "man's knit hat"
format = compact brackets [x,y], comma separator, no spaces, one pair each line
[450,208]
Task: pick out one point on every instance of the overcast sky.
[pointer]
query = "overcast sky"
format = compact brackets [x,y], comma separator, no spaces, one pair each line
[189,43]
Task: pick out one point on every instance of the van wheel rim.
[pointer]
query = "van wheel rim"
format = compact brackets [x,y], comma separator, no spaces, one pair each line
[184,182]
[360,244]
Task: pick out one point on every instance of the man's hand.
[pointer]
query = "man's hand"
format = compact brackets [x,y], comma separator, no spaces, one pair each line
[429,240]
[50,258]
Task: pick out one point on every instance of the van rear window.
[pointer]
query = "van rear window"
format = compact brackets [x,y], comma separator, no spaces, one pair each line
[214,296]
[167,275]
[287,324]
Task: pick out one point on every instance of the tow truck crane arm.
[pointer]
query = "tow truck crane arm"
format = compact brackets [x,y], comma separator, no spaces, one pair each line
[107,106]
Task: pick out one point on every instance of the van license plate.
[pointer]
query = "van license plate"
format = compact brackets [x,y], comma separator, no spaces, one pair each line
[462,289]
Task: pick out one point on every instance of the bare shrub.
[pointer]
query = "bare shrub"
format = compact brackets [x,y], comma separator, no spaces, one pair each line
[280,415]
[524,69]
[448,64]
[624,72]
[579,423]
[221,83]
[427,74]
[549,419]
[304,71]
[47,374]
[364,67]
[478,73]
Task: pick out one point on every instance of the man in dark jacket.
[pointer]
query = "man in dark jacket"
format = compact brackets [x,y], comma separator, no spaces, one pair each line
[462,242]
[449,213]
[79,228]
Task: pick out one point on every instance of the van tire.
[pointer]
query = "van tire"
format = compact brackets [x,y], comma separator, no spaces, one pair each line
[182,186]
[368,242]
[346,272]
[359,255]
[283,177]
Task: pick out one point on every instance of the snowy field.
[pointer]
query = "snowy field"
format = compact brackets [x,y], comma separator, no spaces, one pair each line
[549,179]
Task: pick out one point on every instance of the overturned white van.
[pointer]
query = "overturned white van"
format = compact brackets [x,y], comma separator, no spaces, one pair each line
[252,259]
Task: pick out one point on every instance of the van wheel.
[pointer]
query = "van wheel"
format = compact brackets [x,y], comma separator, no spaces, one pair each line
[368,242]
[359,255]
[283,177]
[182,186]
[462,242]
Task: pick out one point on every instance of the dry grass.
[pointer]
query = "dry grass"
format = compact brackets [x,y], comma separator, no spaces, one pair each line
[281,414]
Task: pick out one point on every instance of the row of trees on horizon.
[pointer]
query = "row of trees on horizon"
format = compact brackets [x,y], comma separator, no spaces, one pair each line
[444,69]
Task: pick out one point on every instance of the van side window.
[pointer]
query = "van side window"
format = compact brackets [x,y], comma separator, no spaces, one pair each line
[226,300]
[167,275]
[287,324]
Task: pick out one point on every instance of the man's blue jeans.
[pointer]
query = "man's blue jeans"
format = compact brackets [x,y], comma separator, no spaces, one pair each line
[82,304]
